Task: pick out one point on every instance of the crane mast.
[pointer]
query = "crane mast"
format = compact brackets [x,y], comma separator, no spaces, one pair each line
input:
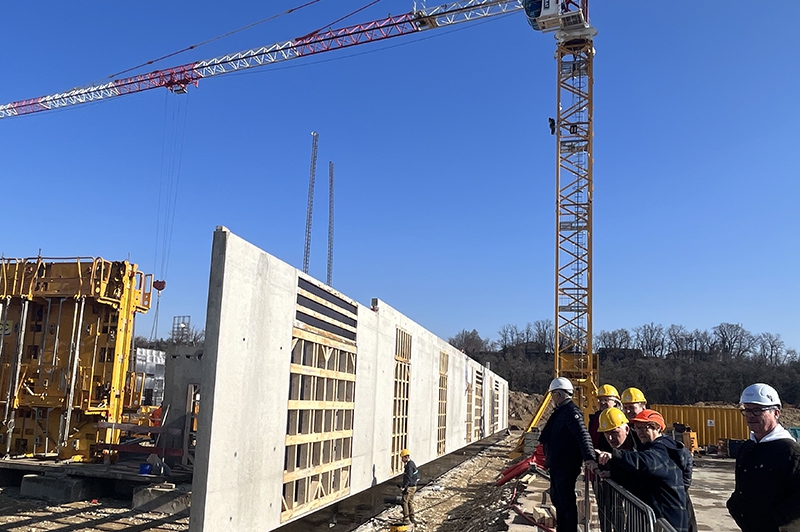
[574,357]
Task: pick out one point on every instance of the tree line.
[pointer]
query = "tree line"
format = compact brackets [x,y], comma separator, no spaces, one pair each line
[672,364]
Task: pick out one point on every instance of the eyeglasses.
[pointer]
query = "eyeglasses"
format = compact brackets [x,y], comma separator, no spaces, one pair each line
[757,412]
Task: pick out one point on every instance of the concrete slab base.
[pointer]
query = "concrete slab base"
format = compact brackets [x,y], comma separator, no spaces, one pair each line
[62,489]
[164,498]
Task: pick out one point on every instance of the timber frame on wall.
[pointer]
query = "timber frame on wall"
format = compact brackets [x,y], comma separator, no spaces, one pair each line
[402,379]
[441,427]
[322,384]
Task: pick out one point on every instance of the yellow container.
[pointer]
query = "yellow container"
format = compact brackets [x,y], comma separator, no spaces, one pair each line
[711,423]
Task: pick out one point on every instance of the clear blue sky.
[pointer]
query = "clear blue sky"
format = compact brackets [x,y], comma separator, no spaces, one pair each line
[444,161]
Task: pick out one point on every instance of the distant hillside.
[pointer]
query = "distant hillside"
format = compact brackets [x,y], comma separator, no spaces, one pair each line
[673,377]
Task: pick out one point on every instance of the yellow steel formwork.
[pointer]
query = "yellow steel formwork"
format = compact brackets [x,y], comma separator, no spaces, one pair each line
[711,423]
[66,328]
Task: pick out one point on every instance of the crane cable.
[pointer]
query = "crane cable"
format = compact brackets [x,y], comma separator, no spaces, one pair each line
[172,150]
[208,41]
[171,159]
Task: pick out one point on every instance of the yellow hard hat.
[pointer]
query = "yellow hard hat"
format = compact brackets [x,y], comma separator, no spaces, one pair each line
[611,418]
[633,395]
[607,390]
[405,452]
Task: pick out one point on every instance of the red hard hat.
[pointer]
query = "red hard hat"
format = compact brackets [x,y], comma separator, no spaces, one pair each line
[650,416]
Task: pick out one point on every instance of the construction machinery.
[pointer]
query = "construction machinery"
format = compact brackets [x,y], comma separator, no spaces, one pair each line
[572,126]
[67,329]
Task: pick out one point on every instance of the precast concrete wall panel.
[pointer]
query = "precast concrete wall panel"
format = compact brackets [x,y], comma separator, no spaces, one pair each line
[308,395]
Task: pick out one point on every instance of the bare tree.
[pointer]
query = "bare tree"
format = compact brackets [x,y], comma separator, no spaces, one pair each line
[544,335]
[679,342]
[771,349]
[469,342]
[618,339]
[731,340]
[702,341]
[650,338]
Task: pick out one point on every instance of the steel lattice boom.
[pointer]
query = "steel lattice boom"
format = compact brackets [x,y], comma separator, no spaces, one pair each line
[178,79]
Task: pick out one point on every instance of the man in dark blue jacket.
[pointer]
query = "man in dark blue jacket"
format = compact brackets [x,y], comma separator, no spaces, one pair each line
[653,473]
[567,445]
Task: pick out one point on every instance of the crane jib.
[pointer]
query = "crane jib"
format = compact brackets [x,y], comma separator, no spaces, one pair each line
[177,79]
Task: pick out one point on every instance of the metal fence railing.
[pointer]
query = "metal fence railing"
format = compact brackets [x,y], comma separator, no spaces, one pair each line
[662,525]
[620,511]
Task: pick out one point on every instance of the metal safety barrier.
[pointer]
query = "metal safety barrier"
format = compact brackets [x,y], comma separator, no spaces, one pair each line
[620,511]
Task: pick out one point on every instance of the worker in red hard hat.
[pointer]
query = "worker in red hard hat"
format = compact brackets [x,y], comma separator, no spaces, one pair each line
[766,497]
[654,473]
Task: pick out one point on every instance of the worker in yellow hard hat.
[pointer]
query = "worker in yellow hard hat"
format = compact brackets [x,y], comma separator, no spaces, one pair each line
[633,402]
[617,434]
[607,397]
[409,486]
[616,431]
[655,471]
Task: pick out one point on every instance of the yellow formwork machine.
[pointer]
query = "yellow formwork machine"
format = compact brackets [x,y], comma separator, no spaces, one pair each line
[66,329]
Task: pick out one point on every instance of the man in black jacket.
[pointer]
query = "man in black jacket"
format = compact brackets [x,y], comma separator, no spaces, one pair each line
[567,445]
[767,492]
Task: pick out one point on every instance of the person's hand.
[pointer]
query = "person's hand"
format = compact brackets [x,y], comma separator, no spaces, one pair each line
[603,457]
[591,465]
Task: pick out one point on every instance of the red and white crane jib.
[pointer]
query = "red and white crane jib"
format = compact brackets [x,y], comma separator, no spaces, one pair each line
[177,79]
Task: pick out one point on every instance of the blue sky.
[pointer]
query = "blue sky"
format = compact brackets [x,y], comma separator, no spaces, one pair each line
[445,186]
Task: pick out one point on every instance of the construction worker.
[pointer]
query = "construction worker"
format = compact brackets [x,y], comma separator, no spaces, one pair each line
[766,497]
[567,445]
[633,402]
[409,486]
[607,397]
[617,434]
[652,473]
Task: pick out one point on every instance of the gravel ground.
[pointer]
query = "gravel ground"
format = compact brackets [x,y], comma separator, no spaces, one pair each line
[28,515]
[465,499]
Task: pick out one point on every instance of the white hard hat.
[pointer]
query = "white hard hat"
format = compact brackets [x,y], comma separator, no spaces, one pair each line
[561,383]
[760,394]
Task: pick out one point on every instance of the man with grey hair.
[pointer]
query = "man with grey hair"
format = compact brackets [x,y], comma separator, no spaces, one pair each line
[767,493]
[567,445]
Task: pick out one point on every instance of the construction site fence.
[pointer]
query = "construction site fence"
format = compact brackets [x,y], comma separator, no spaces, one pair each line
[618,510]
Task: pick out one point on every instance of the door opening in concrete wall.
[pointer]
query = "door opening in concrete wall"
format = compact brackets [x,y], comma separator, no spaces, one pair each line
[319,427]
[441,435]
[402,378]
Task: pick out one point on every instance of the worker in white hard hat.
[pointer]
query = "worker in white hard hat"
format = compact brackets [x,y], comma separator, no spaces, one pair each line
[607,397]
[766,496]
[409,486]
[567,445]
